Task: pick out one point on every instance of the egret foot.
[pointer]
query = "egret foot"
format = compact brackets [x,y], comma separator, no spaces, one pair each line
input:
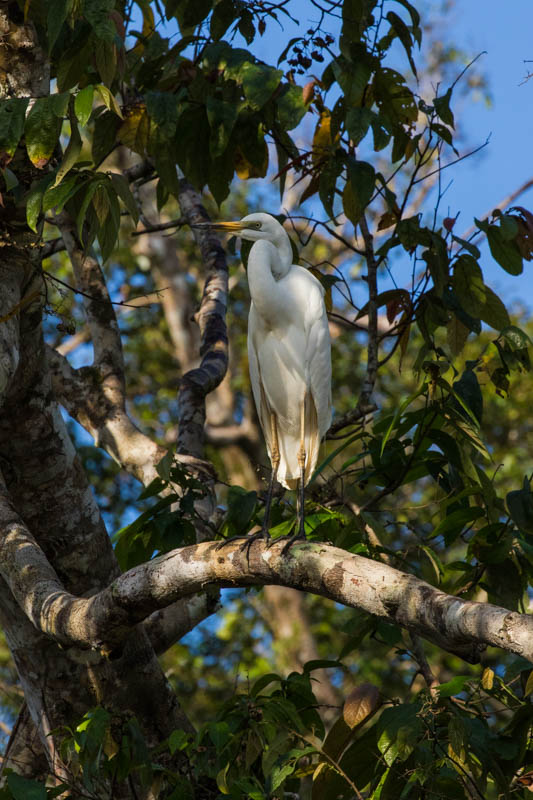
[296,537]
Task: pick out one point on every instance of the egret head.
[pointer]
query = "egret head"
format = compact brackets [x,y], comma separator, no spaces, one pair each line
[256,227]
[252,227]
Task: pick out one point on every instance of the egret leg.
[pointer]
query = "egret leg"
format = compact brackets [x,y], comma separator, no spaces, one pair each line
[302,457]
[275,459]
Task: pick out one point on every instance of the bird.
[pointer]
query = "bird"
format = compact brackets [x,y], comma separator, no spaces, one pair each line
[289,355]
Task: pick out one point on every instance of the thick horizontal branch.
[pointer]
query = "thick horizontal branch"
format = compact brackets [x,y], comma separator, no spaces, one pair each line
[104,620]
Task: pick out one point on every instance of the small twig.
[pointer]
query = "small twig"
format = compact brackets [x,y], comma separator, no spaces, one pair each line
[455,161]
[423,665]
[162,226]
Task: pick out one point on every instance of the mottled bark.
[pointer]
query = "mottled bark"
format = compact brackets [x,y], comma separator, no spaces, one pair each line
[44,483]
[211,318]
[102,621]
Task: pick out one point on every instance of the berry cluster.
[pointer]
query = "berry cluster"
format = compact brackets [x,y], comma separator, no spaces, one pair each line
[303,56]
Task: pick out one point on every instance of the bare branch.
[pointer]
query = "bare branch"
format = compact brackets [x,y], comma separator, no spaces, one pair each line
[82,394]
[168,625]
[211,318]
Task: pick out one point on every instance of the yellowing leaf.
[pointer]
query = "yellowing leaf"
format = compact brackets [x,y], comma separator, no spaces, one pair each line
[322,137]
[133,132]
[245,169]
[487,679]
[361,703]
[109,99]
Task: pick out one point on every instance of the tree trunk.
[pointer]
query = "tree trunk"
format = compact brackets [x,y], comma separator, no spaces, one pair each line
[43,481]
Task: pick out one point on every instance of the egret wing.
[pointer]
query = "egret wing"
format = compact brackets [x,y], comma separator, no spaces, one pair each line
[318,360]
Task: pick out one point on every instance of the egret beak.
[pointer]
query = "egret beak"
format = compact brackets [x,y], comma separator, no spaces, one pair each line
[228,227]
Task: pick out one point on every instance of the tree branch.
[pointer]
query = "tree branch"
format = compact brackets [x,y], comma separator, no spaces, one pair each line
[100,313]
[104,620]
[211,318]
[82,394]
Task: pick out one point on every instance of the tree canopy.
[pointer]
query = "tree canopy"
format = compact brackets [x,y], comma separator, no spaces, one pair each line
[147,653]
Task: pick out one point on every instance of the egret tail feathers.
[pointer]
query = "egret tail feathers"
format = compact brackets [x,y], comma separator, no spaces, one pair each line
[289,446]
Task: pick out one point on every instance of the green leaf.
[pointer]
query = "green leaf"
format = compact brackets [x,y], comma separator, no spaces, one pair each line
[453,687]
[10,179]
[471,248]
[394,99]
[468,390]
[358,121]
[280,772]
[42,131]
[219,733]
[290,106]
[106,60]
[72,152]
[110,225]
[104,136]
[264,681]
[517,338]
[191,12]
[109,99]
[468,285]
[192,140]
[246,25]
[520,506]
[71,68]
[494,312]
[177,740]
[259,82]
[222,117]
[224,13]
[122,188]
[442,107]
[57,14]
[443,133]
[361,183]
[34,201]
[163,108]
[57,196]
[83,104]
[60,103]
[399,729]
[97,14]
[404,35]
[327,183]
[453,525]
[456,335]
[241,508]
[24,789]
[12,116]
[506,253]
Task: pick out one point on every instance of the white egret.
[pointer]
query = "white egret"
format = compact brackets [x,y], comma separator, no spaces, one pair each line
[289,354]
